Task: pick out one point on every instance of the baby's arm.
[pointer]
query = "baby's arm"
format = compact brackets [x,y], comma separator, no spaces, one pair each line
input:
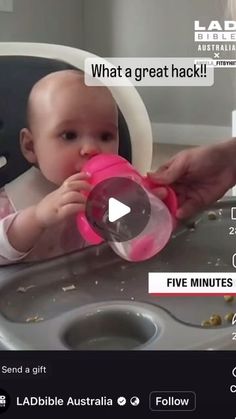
[25,230]
[29,224]
[7,215]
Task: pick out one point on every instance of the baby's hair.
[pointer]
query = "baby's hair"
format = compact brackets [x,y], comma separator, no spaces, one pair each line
[29,106]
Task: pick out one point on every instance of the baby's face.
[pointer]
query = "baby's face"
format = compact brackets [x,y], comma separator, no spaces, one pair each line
[75,123]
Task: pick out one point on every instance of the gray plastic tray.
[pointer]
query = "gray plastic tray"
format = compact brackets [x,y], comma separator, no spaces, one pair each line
[92,299]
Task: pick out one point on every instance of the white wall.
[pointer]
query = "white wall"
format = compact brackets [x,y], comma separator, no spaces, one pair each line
[51,21]
[162,28]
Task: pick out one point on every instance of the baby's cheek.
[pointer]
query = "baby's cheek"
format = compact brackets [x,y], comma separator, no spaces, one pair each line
[52,173]
[62,166]
[114,146]
[109,148]
[73,164]
[63,172]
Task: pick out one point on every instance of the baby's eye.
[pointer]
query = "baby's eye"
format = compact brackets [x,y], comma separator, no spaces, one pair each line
[69,135]
[107,136]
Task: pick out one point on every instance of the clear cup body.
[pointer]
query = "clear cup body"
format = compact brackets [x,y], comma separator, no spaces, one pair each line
[152,239]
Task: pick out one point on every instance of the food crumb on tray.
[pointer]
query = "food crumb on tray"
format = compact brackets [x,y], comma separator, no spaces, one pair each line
[191,225]
[229,317]
[229,298]
[34,319]
[24,289]
[214,320]
[205,323]
[212,215]
[69,288]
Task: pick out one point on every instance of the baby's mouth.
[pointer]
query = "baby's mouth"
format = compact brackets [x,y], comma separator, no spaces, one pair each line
[79,167]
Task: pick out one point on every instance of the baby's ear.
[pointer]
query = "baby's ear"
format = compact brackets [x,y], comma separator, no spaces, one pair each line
[27,145]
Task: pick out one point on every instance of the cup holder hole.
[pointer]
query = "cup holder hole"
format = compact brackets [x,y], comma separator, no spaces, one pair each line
[110,330]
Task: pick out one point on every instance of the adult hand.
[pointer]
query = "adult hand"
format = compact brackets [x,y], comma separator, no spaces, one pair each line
[199,176]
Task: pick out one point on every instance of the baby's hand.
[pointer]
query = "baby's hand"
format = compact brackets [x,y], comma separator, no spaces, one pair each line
[67,200]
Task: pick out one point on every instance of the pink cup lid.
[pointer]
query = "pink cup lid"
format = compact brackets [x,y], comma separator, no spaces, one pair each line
[101,167]
[86,231]
[103,161]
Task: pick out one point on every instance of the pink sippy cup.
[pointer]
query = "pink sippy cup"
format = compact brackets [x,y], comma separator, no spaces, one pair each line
[160,221]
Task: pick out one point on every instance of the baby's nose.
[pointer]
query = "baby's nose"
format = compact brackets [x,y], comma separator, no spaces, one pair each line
[89,148]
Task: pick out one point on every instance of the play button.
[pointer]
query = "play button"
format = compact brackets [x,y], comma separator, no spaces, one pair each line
[116,210]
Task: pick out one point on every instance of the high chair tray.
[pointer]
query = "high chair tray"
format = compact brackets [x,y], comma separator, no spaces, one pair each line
[92,299]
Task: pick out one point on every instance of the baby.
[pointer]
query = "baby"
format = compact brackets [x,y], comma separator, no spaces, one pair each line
[68,123]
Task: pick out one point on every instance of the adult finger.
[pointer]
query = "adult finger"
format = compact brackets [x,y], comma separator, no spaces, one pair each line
[160,192]
[170,173]
[188,209]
